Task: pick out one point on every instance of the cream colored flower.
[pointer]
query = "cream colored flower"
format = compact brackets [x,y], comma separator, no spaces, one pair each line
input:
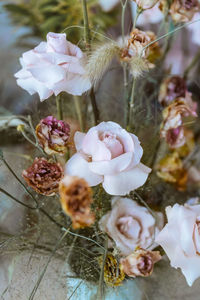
[130,225]
[180,238]
[146,4]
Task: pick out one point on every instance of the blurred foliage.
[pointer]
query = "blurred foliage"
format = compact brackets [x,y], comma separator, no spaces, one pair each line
[42,16]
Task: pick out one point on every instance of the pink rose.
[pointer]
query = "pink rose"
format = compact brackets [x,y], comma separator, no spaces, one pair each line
[130,225]
[110,155]
[52,67]
[180,238]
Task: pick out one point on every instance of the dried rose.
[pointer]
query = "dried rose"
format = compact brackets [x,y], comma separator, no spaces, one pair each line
[53,135]
[183,10]
[172,88]
[184,150]
[172,125]
[140,262]
[146,4]
[137,41]
[171,169]
[43,176]
[113,271]
[76,198]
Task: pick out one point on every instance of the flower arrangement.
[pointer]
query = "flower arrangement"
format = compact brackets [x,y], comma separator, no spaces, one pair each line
[88,176]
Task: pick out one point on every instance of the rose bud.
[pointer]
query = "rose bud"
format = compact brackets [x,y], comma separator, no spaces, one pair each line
[183,10]
[140,263]
[145,4]
[43,176]
[76,198]
[53,135]
[170,89]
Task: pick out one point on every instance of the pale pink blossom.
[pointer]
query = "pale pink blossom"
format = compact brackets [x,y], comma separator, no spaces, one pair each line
[180,238]
[130,225]
[52,67]
[145,4]
[110,155]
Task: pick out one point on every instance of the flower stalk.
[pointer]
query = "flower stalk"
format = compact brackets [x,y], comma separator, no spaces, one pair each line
[59,107]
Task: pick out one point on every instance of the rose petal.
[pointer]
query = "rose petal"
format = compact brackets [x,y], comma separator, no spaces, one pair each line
[73,84]
[78,139]
[56,42]
[112,166]
[49,74]
[94,147]
[32,86]
[78,166]
[138,151]
[124,182]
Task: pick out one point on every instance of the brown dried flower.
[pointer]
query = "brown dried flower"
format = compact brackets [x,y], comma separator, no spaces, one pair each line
[44,176]
[183,10]
[170,89]
[113,271]
[172,126]
[171,169]
[53,135]
[140,262]
[140,59]
[76,198]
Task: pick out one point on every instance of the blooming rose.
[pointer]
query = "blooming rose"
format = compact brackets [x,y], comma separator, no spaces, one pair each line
[180,238]
[109,155]
[53,135]
[140,263]
[53,67]
[129,225]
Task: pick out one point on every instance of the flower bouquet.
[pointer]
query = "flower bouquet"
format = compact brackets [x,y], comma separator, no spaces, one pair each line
[109,178]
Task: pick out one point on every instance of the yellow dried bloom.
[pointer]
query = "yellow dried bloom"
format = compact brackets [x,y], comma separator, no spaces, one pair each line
[76,198]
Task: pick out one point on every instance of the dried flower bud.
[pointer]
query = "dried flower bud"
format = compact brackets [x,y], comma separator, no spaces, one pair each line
[170,169]
[183,10]
[170,89]
[145,4]
[53,135]
[134,53]
[189,144]
[172,126]
[43,176]
[113,271]
[140,263]
[76,198]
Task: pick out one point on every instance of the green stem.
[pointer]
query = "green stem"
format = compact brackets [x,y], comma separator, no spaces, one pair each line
[131,104]
[94,107]
[86,24]
[100,291]
[79,111]
[193,63]
[16,200]
[167,34]
[45,268]
[19,180]
[59,107]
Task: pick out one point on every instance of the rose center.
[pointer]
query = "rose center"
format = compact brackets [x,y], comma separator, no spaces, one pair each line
[112,143]
[129,227]
[145,265]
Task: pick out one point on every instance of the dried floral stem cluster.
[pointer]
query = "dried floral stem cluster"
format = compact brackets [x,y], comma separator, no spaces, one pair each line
[108,156]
